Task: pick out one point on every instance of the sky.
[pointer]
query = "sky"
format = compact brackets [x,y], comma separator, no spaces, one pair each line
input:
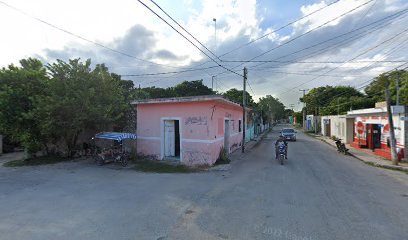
[306,43]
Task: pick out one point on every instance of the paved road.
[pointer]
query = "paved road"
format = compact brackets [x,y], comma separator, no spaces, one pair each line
[318,194]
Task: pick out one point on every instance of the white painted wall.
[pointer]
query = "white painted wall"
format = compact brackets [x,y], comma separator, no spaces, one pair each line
[340,127]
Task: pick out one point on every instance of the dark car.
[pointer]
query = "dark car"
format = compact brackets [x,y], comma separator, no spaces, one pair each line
[289,134]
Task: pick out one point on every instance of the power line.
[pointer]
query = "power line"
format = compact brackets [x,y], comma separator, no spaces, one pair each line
[277,30]
[184,29]
[362,34]
[361,54]
[164,73]
[303,34]
[273,31]
[212,59]
[306,62]
[364,85]
[250,87]
[82,38]
[387,53]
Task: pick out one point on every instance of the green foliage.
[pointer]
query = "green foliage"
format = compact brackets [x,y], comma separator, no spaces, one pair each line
[192,88]
[376,88]
[19,87]
[222,157]
[237,96]
[81,99]
[184,89]
[299,118]
[272,109]
[329,100]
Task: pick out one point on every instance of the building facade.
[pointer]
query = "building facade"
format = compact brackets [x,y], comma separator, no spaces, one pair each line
[338,126]
[192,130]
[372,131]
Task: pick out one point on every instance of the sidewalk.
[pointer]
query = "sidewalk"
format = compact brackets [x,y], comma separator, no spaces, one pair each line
[365,156]
[238,155]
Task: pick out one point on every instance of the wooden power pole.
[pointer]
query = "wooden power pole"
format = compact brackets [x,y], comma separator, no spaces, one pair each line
[244,111]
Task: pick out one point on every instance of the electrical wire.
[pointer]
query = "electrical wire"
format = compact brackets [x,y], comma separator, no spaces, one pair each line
[161,9]
[364,85]
[212,59]
[361,54]
[277,30]
[303,34]
[165,73]
[83,38]
[344,41]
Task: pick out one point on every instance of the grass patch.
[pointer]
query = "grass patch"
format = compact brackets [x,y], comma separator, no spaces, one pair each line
[161,167]
[35,161]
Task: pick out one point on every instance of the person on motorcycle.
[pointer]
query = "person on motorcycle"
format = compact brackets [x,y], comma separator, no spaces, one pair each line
[281,140]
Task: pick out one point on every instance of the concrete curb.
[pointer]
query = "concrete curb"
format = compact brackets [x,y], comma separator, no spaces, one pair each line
[237,155]
[374,163]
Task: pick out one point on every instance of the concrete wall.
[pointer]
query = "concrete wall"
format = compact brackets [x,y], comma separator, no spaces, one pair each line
[340,127]
[201,129]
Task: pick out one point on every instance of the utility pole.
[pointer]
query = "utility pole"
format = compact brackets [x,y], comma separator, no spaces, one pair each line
[304,107]
[215,33]
[244,111]
[212,83]
[315,120]
[397,86]
[394,156]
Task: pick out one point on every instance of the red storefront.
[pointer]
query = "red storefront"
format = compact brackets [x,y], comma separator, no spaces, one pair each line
[372,130]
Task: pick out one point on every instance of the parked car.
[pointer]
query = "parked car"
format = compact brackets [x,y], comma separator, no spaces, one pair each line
[289,134]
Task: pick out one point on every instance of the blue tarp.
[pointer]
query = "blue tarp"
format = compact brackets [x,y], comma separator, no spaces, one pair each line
[118,136]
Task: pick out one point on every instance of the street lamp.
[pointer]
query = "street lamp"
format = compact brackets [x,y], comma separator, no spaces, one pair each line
[215,33]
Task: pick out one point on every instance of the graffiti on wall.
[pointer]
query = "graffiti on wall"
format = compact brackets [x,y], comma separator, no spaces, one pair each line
[196,121]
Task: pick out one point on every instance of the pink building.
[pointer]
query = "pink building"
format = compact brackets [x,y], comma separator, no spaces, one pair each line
[189,129]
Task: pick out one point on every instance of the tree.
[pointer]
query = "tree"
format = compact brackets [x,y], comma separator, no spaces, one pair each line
[272,109]
[192,88]
[343,104]
[328,100]
[154,92]
[299,117]
[236,95]
[81,99]
[19,88]
[375,89]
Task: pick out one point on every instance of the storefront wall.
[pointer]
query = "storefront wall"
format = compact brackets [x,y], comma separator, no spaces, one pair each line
[373,132]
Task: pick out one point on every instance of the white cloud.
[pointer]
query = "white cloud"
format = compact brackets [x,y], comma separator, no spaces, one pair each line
[129,27]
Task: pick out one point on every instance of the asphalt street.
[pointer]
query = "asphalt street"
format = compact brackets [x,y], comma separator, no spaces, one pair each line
[317,194]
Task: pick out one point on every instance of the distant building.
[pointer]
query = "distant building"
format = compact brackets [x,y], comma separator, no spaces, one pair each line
[191,130]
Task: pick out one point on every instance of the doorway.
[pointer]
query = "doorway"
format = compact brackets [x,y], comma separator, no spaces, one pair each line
[226,135]
[374,136]
[172,139]
[327,128]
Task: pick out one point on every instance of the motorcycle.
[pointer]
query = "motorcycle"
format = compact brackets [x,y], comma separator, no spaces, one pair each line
[281,153]
[341,147]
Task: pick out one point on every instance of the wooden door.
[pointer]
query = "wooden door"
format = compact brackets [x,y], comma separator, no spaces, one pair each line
[169,138]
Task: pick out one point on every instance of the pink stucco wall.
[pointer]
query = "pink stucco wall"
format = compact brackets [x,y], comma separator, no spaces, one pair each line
[201,129]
